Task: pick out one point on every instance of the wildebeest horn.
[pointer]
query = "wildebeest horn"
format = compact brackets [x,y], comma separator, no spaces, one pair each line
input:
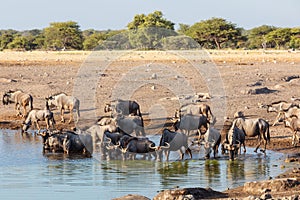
[166,147]
[155,147]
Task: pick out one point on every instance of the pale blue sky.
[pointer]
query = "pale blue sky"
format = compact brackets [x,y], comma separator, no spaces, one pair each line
[116,14]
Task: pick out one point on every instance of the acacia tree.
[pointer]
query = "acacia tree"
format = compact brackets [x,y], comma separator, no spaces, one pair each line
[63,35]
[279,38]
[6,36]
[214,32]
[257,36]
[295,38]
[146,31]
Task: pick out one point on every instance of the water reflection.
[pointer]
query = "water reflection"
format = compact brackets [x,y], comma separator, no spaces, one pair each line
[235,170]
[212,170]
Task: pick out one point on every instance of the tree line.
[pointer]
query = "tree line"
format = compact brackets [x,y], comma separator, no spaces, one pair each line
[152,31]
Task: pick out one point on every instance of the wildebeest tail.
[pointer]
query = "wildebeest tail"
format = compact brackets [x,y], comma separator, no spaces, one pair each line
[30,102]
[268,135]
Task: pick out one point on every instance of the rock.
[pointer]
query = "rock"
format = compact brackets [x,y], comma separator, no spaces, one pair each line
[154,76]
[263,90]
[132,197]
[257,83]
[7,80]
[289,78]
[188,193]
[266,196]
[275,185]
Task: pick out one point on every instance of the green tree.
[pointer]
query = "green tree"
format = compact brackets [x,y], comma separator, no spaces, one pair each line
[183,28]
[180,42]
[19,43]
[6,37]
[93,38]
[146,31]
[154,19]
[63,35]
[215,32]
[256,36]
[279,38]
[295,38]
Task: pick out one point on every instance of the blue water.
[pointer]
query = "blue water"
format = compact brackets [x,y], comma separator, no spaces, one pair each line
[25,173]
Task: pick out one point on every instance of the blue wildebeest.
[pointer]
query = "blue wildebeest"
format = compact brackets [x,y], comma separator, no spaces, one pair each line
[137,145]
[254,127]
[34,116]
[173,141]
[130,124]
[125,107]
[191,122]
[19,98]
[212,139]
[234,139]
[196,109]
[67,142]
[280,107]
[293,122]
[64,102]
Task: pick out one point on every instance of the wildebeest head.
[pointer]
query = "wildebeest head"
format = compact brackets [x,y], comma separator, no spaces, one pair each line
[6,99]
[45,135]
[50,101]
[25,126]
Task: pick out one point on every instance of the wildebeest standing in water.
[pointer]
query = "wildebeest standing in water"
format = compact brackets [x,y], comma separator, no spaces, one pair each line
[173,141]
[64,102]
[67,142]
[19,98]
[235,138]
[255,127]
[35,116]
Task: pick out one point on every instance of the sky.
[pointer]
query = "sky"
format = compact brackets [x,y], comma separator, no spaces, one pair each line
[116,14]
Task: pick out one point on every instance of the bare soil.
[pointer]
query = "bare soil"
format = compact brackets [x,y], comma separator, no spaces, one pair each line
[249,80]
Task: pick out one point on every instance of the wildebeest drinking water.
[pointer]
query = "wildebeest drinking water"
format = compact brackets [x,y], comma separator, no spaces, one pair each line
[64,102]
[34,116]
[19,98]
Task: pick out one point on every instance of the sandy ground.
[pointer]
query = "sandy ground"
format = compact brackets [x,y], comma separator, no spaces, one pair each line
[159,81]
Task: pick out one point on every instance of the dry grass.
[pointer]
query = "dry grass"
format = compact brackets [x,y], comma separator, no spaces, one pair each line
[55,58]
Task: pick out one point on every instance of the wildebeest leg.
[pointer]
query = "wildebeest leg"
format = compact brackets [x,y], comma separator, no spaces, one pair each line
[189,152]
[37,125]
[17,108]
[258,145]
[62,115]
[47,123]
[143,131]
[295,139]
[71,115]
[167,152]
[277,118]
[244,147]
[25,111]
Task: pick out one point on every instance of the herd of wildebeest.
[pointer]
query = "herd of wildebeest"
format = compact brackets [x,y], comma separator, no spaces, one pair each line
[121,135]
